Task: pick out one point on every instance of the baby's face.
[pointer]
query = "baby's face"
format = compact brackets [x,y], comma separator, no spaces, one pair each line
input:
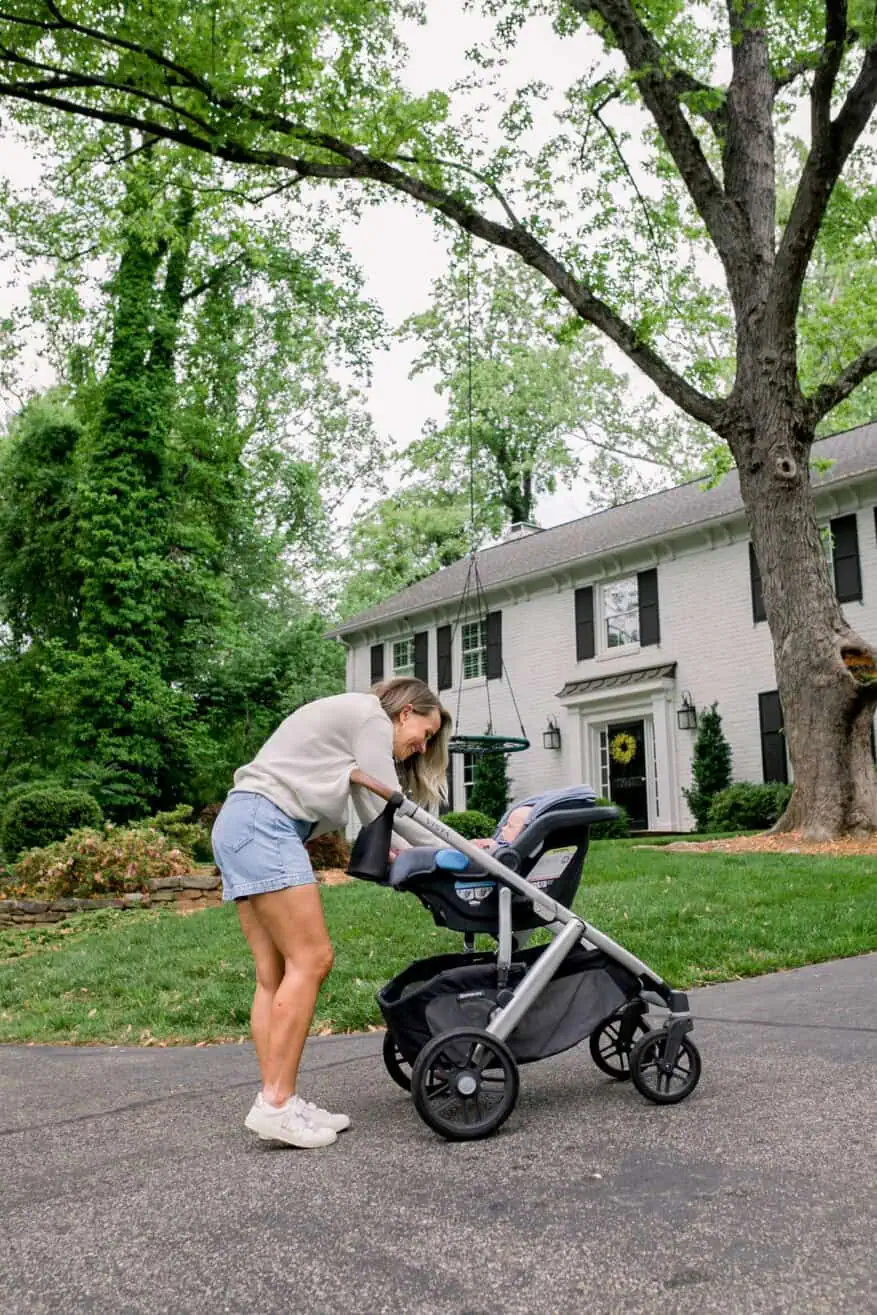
[515,823]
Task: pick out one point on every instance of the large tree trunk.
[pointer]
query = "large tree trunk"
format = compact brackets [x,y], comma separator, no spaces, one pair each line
[826,673]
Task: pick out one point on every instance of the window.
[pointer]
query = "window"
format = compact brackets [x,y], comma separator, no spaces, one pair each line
[621,612]
[468,775]
[403,657]
[604,764]
[840,544]
[774,765]
[755,588]
[474,649]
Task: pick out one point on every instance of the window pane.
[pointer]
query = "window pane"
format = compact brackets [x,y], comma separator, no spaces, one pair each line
[621,612]
[474,649]
[403,657]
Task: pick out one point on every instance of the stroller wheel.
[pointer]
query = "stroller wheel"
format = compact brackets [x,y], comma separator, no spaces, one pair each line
[653,1079]
[613,1041]
[465,1084]
[397,1067]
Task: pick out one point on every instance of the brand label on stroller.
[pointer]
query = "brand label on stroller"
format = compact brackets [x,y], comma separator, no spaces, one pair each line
[550,866]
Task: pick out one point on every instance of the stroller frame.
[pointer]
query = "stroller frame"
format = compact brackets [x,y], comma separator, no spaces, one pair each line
[568,930]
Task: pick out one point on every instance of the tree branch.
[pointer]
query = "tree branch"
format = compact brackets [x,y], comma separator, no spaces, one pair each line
[360,165]
[661,95]
[828,396]
[830,149]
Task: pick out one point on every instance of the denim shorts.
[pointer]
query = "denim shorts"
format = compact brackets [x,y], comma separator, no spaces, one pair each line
[258,848]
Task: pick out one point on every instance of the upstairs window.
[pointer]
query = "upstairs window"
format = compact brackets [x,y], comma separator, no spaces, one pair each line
[403,657]
[621,612]
[474,649]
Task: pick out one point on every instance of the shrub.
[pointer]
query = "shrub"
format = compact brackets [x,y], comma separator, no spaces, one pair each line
[328,851]
[40,816]
[106,862]
[710,767]
[177,827]
[490,786]
[748,806]
[617,829]
[468,823]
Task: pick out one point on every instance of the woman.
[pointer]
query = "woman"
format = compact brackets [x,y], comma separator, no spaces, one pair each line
[298,786]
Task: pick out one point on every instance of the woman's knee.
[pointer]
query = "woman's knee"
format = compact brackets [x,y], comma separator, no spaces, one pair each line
[316,962]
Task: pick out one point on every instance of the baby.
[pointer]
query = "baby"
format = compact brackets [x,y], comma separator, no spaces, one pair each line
[508,833]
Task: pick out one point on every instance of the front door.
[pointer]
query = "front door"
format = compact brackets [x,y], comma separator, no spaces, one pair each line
[627,771]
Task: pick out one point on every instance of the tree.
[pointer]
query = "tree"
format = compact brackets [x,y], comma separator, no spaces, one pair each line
[621,255]
[524,396]
[710,766]
[402,539]
[490,787]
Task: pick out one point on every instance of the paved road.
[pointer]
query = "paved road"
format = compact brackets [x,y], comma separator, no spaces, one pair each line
[128,1184]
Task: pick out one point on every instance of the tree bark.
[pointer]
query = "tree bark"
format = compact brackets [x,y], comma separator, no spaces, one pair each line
[826,672]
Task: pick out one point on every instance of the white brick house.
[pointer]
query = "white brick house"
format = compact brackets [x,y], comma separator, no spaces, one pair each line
[604,625]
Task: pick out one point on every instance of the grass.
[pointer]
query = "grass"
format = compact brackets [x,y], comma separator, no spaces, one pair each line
[152,977]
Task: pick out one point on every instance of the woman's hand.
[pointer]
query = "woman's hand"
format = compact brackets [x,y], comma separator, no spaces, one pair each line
[483,843]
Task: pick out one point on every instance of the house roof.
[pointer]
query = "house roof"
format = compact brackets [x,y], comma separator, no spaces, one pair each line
[853,453]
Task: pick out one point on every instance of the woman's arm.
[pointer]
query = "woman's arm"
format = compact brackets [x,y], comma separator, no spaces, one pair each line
[373,753]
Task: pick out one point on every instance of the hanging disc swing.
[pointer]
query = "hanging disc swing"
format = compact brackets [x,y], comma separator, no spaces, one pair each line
[489,742]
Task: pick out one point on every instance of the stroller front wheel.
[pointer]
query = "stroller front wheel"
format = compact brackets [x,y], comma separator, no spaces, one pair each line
[465,1084]
[395,1063]
[659,1081]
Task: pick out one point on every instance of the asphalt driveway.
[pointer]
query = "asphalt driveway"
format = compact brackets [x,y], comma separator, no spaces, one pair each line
[128,1183]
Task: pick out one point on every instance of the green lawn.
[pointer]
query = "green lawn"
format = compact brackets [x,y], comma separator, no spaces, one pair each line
[149,976]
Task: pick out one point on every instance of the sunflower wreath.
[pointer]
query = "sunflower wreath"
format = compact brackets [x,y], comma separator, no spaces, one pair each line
[623,748]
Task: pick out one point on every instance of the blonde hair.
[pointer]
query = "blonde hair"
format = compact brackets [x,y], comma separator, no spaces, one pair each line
[423,776]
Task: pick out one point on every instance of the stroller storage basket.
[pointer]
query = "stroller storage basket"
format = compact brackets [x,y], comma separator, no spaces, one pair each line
[461,990]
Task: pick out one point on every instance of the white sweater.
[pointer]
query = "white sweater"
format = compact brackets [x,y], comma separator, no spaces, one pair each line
[304,768]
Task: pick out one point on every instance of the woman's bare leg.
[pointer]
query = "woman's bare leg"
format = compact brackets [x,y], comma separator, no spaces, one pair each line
[293,921]
[269,975]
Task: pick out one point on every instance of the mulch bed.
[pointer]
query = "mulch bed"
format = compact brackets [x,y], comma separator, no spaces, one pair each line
[791,842]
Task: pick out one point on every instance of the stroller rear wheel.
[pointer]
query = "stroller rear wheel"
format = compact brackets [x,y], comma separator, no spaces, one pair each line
[395,1063]
[612,1042]
[465,1084]
[654,1078]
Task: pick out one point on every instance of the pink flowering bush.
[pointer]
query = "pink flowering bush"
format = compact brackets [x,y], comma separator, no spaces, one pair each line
[88,862]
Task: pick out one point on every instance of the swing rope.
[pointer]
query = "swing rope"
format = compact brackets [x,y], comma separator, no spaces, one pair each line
[489,742]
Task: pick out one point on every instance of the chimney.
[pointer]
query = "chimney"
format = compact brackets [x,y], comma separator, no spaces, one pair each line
[520,530]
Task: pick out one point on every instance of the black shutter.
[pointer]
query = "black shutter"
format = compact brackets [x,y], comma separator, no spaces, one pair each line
[584,623]
[649,618]
[494,645]
[421,655]
[758,612]
[847,573]
[773,742]
[443,644]
[377,659]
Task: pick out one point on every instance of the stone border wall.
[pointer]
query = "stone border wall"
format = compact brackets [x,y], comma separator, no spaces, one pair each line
[195,891]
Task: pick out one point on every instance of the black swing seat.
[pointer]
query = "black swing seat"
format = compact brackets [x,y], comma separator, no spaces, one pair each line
[549,852]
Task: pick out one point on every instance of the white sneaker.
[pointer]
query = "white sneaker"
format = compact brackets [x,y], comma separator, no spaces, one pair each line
[319,1117]
[288,1124]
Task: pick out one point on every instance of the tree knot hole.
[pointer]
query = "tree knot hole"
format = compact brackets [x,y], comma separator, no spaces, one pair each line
[786,466]
[860,665]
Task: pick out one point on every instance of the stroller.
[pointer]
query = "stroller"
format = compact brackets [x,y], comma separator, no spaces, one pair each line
[458,1025]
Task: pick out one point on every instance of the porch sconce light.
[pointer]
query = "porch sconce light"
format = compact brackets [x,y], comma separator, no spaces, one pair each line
[551,735]
[686,716]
